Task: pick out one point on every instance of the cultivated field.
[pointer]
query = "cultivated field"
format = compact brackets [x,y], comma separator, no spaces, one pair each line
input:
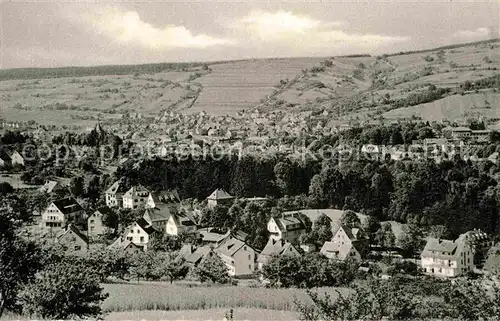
[163,296]
[208,314]
[348,86]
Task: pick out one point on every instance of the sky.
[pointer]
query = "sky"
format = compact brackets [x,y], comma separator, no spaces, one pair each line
[38,33]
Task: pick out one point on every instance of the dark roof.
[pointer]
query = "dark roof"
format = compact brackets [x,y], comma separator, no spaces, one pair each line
[145,226]
[105,210]
[76,231]
[220,194]
[67,205]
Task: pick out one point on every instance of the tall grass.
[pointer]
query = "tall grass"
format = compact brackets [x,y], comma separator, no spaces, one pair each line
[133,297]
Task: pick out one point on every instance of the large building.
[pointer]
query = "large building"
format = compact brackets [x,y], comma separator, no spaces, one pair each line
[446,258]
[135,197]
[95,225]
[140,233]
[237,255]
[288,227]
[114,193]
[62,212]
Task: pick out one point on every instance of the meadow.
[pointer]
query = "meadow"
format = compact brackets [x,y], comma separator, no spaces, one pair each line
[167,297]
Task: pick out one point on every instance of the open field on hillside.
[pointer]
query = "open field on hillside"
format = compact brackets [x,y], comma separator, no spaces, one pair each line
[163,296]
[208,314]
[239,85]
[454,107]
[345,85]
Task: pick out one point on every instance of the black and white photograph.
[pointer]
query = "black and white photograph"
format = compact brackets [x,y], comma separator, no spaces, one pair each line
[254,160]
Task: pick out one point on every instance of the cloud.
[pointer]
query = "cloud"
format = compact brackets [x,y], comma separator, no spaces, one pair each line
[479,33]
[127,27]
[300,31]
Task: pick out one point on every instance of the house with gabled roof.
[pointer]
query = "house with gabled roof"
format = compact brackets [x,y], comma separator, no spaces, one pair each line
[140,233]
[346,243]
[73,241]
[210,236]
[219,197]
[275,248]
[158,217]
[114,193]
[51,187]
[95,225]
[61,212]
[288,227]
[123,244]
[17,159]
[193,255]
[168,198]
[135,197]
[238,256]
[447,258]
[181,222]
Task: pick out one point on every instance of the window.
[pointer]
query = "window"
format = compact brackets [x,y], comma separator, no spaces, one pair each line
[142,239]
[249,257]
[249,267]
[91,221]
[129,238]
[135,200]
[244,248]
[91,228]
[78,247]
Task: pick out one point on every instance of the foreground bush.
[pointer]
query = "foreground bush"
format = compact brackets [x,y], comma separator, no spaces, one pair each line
[61,291]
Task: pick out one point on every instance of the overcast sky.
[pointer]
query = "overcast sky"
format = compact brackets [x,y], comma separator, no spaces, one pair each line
[43,34]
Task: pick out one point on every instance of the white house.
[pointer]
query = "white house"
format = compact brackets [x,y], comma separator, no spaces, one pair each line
[140,233]
[180,222]
[288,227]
[169,198]
[135,197]
[346,243]
[158,217]
[51,187]
[114,193]
[237,255]
[17,159]
[447,258]
[274,247]
[62,212]
[219,197]
[95,226]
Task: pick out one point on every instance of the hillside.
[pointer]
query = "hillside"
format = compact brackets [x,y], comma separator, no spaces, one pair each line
[427,84]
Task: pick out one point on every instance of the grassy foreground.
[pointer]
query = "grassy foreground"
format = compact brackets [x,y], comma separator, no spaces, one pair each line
[209,314]
[166,297]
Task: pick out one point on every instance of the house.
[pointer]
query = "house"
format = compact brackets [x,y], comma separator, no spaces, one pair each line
[135,197]
[61,212]
[158,217]
[219,197]
[237,255]
[447,258]
[193,255]
[140,233]
[169,198]
[125,245]
[288,227]
[180,222]
[95,225]
[346,243]
[17,159]
[51,187]
[210,236]
[274,247]
[114,193]
[73,241]
[480,243]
